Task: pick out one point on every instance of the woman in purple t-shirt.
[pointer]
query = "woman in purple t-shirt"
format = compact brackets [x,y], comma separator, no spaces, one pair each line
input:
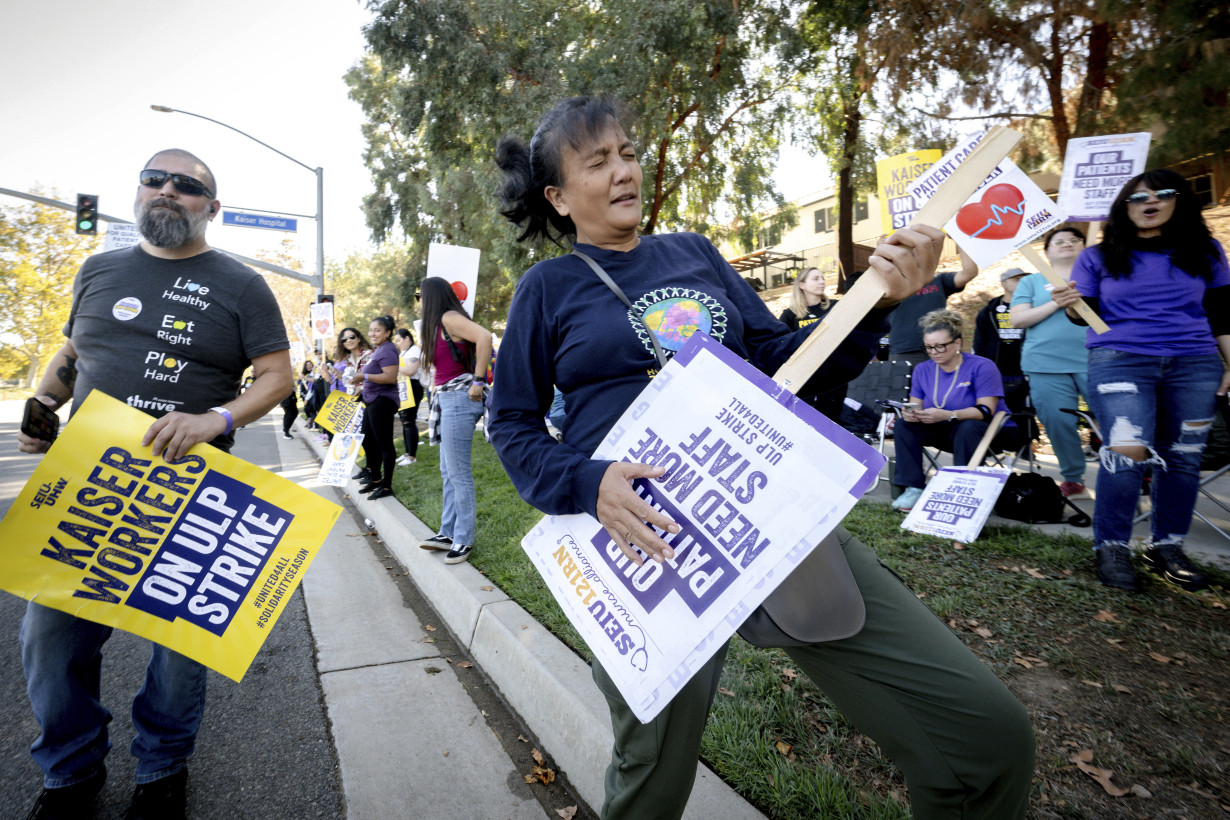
[1160,282]
[953,396]
[378,383]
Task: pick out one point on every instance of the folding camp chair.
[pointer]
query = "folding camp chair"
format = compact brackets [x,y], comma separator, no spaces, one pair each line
[877,381]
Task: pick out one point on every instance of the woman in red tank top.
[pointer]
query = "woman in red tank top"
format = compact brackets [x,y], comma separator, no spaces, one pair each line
[457,349]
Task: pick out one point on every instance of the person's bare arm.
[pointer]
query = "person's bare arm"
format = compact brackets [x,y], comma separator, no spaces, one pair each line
[176,433]
[55,388]
[1028,315]
[969,269]
[459,327]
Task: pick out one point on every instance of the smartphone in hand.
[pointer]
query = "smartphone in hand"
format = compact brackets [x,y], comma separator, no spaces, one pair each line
[40,421]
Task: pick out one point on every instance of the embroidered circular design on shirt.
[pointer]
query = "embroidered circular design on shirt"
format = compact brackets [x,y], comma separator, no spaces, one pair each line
[675,314]
[126,308]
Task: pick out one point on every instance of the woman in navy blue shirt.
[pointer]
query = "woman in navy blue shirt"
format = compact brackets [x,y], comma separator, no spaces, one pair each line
[962,740]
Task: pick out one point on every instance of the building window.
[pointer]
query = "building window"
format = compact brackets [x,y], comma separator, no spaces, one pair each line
[1203,188]
[825,220]
[860,211]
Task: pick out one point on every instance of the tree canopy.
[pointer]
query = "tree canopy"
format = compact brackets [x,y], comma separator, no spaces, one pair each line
[706,84]
[40,253]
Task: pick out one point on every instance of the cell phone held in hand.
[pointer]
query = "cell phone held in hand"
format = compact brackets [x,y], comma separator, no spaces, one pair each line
[40,421]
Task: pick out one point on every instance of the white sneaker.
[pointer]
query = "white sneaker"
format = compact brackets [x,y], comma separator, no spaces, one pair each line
[403,460]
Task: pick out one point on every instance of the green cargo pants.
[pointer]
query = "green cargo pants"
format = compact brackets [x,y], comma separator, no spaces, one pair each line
[962,740]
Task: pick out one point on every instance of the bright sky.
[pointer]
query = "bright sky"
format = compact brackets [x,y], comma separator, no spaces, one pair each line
[80,78]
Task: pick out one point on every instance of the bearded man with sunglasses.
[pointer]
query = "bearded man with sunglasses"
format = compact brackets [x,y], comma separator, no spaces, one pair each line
[169,327]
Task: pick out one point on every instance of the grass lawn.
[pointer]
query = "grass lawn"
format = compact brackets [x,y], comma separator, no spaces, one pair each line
[1141,683]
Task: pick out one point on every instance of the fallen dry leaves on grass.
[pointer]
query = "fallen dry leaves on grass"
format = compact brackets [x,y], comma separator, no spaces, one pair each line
[1084,761]
[1106,617]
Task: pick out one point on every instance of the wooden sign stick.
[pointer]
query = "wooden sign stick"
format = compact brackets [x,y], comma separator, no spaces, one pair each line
[1082,307]
[869,289]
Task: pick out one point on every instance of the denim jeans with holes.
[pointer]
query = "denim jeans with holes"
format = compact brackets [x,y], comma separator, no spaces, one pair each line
[1166,404]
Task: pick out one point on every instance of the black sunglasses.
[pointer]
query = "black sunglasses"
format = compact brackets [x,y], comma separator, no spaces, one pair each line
[153,178]
[1141,197]
[350,338]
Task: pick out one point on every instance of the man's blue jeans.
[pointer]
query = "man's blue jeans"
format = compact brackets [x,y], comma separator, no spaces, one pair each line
[1166,404]
[62,657]
[458,415]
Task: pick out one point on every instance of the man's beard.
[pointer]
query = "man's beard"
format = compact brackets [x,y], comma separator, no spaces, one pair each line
[167,224]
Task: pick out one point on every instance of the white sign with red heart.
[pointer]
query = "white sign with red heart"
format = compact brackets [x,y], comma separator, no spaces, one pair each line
[1006,212]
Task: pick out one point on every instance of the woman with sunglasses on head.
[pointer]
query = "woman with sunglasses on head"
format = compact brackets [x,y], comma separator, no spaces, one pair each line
[457,350]
[905,679]
[377,381]
[1160,282]
[409,368]
[1054,357]
[953,396]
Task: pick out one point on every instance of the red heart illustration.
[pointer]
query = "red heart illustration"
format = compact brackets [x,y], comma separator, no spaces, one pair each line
[461,290]
[997,216]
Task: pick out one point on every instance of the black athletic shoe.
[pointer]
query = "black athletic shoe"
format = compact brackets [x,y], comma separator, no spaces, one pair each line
[437,542]
[70,802]
[362,475]
[1168,561]
[379,492]
[286,435]
[1115,566]
[370,487]
[165,799]
[457,554]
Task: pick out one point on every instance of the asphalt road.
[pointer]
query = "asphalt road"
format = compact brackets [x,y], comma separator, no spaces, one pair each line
[264,749]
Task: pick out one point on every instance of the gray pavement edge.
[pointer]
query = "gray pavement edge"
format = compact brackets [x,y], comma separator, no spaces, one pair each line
[547,684]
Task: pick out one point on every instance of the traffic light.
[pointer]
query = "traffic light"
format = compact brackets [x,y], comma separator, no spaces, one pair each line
[324,298]
[87,214]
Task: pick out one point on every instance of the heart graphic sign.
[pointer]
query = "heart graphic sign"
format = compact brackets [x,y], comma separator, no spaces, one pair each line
[1007,212]
[997,215]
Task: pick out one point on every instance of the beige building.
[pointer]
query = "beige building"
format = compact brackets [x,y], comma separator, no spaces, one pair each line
[811,243]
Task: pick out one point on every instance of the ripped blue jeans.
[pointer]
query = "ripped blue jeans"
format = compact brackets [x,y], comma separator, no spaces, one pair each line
[1166,404]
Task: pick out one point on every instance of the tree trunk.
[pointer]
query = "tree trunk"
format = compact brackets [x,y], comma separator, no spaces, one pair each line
[1093,91]
[845,195]
[32,373]
[1054,87]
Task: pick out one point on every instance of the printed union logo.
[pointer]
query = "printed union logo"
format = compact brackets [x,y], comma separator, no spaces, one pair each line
[343,446]
[126,308]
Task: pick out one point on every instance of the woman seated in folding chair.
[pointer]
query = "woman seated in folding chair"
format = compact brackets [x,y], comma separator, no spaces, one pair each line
[953,397]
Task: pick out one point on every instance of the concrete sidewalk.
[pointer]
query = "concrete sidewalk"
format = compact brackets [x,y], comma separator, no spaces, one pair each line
[388,722]
[410,740]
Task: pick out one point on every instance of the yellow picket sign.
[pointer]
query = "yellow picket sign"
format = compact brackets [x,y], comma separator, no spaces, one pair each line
[337,413]
[200,555]
[405,396]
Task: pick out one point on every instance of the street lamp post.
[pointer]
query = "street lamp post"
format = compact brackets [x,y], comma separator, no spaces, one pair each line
[319,279]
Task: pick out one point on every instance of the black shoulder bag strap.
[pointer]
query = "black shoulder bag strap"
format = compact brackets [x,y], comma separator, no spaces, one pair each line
[610,283]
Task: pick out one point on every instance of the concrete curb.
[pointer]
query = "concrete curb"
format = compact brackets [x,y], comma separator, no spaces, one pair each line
[548,685]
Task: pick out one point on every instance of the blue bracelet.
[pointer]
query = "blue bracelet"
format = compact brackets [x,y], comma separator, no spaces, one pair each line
[226,414]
